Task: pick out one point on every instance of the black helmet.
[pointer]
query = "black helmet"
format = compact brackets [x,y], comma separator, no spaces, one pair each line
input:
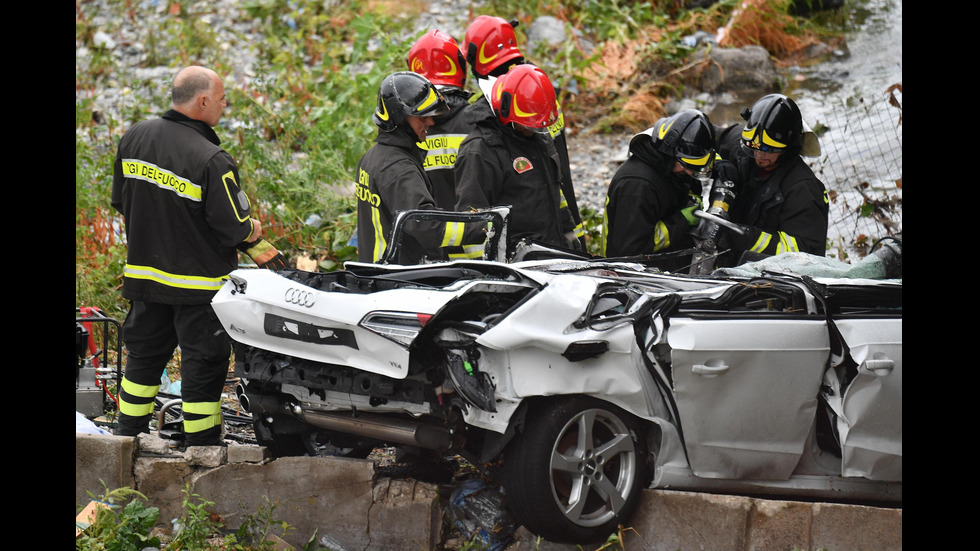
[689,138]
[774,124]
[406,93]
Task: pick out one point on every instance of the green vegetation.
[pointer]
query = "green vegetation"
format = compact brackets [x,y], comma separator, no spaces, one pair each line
[301,121]
[133,527]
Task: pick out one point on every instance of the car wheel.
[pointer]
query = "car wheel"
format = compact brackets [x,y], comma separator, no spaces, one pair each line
[576,471]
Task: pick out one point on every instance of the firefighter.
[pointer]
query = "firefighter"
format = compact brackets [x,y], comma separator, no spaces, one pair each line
[510,159]
[651,197]
[186,217]
[490,47]
[779,202]
[390,177]
[437,57]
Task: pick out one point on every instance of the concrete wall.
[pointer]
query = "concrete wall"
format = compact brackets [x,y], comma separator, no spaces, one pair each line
[343,500]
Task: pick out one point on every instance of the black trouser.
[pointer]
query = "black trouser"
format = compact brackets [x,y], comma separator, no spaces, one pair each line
[151,333]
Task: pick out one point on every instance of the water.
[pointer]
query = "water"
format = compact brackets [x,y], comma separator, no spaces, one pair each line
[849,96]
[847,100]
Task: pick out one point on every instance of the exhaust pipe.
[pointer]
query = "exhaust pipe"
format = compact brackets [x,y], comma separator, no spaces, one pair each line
[386,429]
[263,406]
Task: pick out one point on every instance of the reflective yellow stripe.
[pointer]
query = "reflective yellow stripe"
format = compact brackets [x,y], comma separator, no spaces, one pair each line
[442,150]
[198,425]
[787,244]
[556,128]
[469,252]
[164,179]
[211,411]
[661,237]
[174,280]
[135,410]
[761,243]
[605,227]
[453,234]
[230,177]
[138,390]
[379,234]
[202,408]
[579,230]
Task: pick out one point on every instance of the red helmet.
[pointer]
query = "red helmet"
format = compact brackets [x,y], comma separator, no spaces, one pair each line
[524,95]
[437,57]
[489,43]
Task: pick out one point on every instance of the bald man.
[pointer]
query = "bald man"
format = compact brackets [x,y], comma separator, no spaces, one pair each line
[186,218]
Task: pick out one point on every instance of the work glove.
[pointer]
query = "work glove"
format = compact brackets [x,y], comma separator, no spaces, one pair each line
[265,255]
[688,211]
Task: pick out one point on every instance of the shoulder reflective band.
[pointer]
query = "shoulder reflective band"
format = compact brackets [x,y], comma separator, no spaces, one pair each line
[164,179]
[174,280]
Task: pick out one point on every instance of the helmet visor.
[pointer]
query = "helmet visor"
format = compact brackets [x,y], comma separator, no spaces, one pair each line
[694,158]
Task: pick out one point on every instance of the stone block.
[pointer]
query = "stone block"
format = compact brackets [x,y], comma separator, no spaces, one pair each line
[837,526]
[206,456]
[321,495]
[669,520]
[396,500]
[162,481]
[248,454]
[778,525]
[99,459]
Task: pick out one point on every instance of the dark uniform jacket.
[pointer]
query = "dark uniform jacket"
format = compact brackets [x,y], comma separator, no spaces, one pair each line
[185,213]
[557,131]
[442,145]
[785,210]
[643,204]
[389,179]
[498,167]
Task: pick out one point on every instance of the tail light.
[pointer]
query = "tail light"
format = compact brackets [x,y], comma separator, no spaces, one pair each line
[401,327]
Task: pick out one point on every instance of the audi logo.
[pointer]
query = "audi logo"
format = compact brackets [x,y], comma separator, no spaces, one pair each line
[300,297]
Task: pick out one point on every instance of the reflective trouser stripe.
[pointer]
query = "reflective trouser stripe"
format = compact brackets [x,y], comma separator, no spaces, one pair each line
[453,235]
[136,390]
[579,230]
[173,280]
[211,412]
[661,237]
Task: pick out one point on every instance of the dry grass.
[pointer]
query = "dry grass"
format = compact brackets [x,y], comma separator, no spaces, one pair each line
[763,23]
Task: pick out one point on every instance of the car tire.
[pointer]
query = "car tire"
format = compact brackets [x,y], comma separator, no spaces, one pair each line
[570,491]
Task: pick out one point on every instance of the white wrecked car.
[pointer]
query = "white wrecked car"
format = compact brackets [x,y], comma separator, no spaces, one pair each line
[590,379]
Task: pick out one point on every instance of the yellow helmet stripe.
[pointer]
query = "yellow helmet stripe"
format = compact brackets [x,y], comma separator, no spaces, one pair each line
[428,101]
